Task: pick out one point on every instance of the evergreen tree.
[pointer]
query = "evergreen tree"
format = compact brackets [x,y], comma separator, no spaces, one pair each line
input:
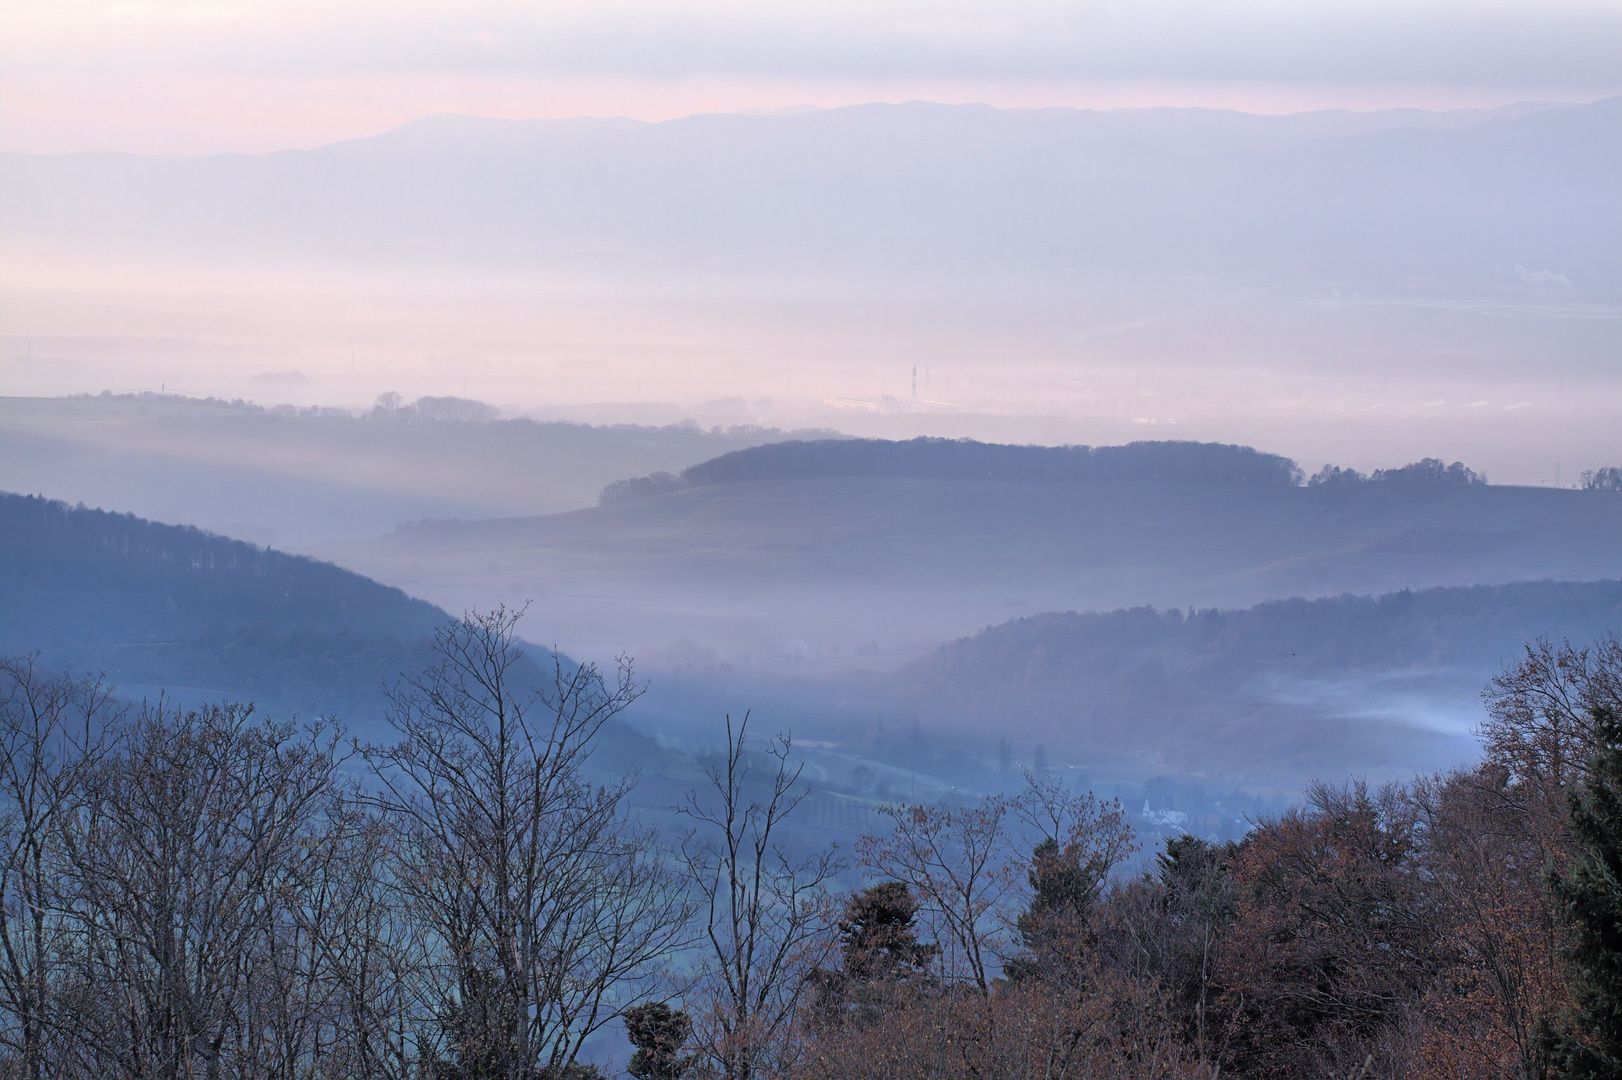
[1053,929]
[878,934]
[882,956]
[1590,893]
[1187,859]
[481,1033]
[1063,887]
[658,1032]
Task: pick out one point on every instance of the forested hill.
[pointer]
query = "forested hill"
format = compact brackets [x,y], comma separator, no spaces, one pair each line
[164,608]
[1309,682]
[965,459]
[1480,626]
[147,580]
[1204,464]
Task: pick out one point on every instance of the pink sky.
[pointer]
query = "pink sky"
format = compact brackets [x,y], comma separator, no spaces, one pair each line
[188,77]
[208,76]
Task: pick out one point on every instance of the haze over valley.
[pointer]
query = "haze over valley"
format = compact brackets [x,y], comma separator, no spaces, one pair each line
[852,562]
[785,405]
[834,583]
[789,540]
[1354,287]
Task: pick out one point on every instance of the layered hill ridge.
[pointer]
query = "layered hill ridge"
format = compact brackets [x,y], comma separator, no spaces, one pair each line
[149,581]
[968,459]
[1146,461]
[1292,688]
[175,610]
[1478,624]
[865,553]
[292,477]
[1379,197]
[1265,696]
[178,613]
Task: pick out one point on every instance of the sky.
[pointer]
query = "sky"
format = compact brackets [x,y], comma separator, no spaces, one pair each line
[207,76]
[1520,380]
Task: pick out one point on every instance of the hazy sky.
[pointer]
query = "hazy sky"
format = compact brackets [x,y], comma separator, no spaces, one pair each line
[200,76]
[1511,367]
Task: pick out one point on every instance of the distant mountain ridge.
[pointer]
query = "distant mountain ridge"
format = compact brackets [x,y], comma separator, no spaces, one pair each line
[886,186]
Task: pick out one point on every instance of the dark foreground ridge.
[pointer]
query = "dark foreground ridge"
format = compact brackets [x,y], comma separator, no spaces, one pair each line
[173,609]
[146,579]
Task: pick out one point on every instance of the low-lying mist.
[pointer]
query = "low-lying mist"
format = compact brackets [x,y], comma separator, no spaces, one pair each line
[1364,289]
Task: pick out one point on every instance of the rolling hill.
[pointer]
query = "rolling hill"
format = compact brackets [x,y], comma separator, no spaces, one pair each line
[172,608]
[296,477]
[1182,700]
[821,557]
[1380,685]
[174,611]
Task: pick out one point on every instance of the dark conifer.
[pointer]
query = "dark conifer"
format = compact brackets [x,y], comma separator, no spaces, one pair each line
[1053,929]
[659,1034]
[878,934]
[1590,894]
[481,1034]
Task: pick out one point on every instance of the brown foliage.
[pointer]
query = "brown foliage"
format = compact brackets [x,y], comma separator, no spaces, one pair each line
[1485,856]
[1336,934]
[1117,1028]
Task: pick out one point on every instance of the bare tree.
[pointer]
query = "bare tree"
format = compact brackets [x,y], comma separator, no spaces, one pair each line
[337,987]
[1540,712]
[1094,830]
[365,951]
[545,910]
[976,866]
[182,849]
[956,859]
[51,734]
[1074,840]
[767,917]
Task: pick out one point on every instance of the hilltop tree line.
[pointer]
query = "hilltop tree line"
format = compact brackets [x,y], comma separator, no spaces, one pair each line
[209,893]
[966,459]
[389,406]
[1426,473]
[1162,462]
